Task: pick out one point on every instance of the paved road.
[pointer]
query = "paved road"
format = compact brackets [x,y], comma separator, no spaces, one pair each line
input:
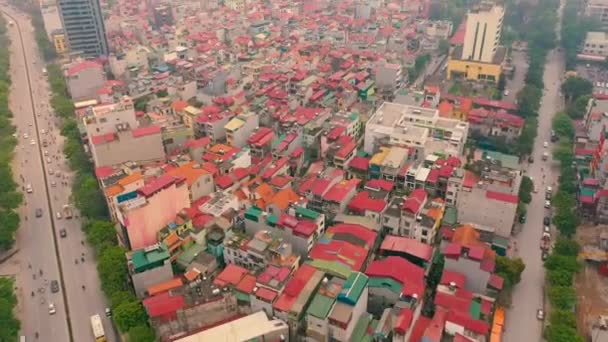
[515,84]
[522,324]
[39,238]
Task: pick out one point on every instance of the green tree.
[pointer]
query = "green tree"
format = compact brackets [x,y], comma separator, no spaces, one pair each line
[88,197]
[162,93]
[510,269]
[10,325]
[129,314]
[563,317]
[525,190]
[562,297]
[100,234]
[559,278]
[141,333]
[567,247]
[578,108]
[561,262]
[575,87]
[444,47]
[562,333]
[562,125]
[121,297]
[112,269]
[9,222]
[566,222]
[563,152]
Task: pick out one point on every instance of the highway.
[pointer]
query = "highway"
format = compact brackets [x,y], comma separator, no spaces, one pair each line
[521,322]
[41,246]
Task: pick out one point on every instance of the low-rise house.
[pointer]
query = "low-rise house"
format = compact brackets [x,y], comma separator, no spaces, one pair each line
[149,266]
[84,79]
[199,181]
[499,123]
[258,252]
[414,251]
[137,145]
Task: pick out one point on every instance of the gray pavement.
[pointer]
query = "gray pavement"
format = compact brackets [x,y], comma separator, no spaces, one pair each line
[521,322]
[515,84]
[38,239]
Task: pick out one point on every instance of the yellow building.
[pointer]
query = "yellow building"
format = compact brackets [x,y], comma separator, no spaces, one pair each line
[473,70]
[60,43]
[480,57]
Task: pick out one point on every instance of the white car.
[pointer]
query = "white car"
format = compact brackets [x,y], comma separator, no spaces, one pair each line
[53,184]
[52,310]
[29,189]
[547,204]
[32,142]
[42,131]
[540,314]
[545,144]
[58,215]
[547,230]
[46,153]
[25,136]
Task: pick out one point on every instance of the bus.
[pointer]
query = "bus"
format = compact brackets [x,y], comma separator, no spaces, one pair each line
[97,327]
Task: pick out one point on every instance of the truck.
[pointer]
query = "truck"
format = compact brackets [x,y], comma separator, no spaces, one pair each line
[67,211]
[97,327]
[545,242]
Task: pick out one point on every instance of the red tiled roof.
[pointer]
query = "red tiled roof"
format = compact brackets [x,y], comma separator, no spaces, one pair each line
[338,192]
[458,37]
[159,183]
[408,274]
[246,284]
[368,236]
[140,132]
[202,142]
[231,275]
[419,328]
[163,304]
[404,321]
[305,228]
[381,184]
[350,255]
[415,201]
[496,281]
[224,181]
[453,302]
[469,179]
[266,294]
[453,250]
[433,176]
[75,69]
[359,163]
[362,202]
[453,277]
[474,325]
[104,171]
[102,138]
[501,196]
[294,287]
[407,246]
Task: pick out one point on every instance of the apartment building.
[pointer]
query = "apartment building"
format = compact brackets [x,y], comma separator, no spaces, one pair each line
[84,25]
[84,79]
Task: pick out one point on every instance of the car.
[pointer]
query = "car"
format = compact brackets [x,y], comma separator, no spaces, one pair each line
[547,196]
[54,286]
[545,144]
[32,142]
[58,174]
[48,160]
[38,212]
[544,255]
[547,230]
[546,220]
[25,135]
[58,215]
[531,160]
[51,172]
[506,93]
[540,314]
[547,204]
[42,131]
[46,153]
[52,310]
[108,312]
[29,189]
[53,184]
[63,233]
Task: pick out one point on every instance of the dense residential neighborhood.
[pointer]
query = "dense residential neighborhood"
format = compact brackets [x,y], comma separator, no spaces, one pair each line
[347,170]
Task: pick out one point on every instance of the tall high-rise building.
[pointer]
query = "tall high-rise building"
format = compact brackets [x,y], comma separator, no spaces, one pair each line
[482,35]
[83,24]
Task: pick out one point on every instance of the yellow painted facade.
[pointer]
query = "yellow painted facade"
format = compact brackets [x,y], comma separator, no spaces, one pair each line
[472,70]
[59,42]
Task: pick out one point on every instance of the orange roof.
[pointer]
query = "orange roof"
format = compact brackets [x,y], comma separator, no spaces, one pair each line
[134,177]
[171,239]
[220,147]
[192,274]
[466,104]
[165,286]
[434,213]
[188,171]
[114,190]
[179,105]
[284,197]
[266,193]
[466,235]
[445,108]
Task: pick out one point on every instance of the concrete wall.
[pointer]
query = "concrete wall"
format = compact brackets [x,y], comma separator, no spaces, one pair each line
[143,280]
[84,85]
[476,278]
[128,148]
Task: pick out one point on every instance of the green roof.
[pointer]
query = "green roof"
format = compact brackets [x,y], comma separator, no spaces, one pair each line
[353,288]
[506,160]
[272,219]
[242,296]
[253,213]
[320,306]
[307,213]
[587,192]
[190,253]
[475,309]
[143,259]
[450,216]
[389,283]
[334,268]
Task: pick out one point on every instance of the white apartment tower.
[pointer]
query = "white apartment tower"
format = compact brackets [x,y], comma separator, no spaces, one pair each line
[482,35]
